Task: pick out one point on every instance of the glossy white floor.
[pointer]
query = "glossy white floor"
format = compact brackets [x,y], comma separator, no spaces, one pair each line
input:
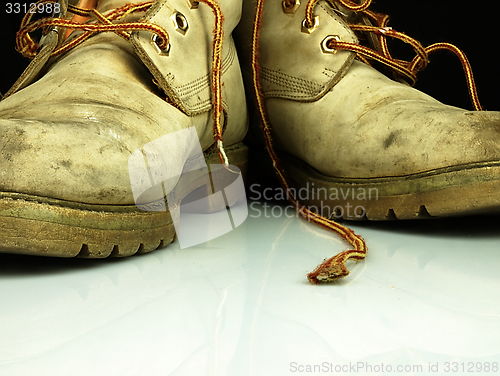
[426,299]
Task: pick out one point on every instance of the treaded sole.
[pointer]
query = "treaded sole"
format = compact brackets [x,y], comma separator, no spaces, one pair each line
[454,191]
[42,226]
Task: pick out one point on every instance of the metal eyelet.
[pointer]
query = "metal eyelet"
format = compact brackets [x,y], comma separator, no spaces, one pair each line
[309,30]
[325,44]
[180,22]
[155,42]
[193,4]
[290,8]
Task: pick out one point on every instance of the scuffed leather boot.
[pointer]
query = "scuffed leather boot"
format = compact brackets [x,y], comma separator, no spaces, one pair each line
[351,141]
[70,124]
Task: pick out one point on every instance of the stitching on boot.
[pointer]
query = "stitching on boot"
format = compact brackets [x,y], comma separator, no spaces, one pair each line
[298,85]
[198,85]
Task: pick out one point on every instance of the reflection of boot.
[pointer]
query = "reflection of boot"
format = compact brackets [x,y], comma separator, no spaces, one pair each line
[71,122]
[363,144]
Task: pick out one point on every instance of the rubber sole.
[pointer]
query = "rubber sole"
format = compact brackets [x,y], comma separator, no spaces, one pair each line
[50,227]
[454,191]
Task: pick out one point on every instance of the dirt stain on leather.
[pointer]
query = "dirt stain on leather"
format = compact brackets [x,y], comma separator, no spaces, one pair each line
[66,164]
[391,139]
[13,143]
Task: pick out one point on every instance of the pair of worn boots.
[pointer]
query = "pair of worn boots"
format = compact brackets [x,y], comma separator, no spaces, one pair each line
[110,79]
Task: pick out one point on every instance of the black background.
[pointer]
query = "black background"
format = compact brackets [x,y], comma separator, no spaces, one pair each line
[473,29]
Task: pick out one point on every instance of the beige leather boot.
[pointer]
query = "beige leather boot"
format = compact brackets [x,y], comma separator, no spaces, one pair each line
[72,121]
[352,142]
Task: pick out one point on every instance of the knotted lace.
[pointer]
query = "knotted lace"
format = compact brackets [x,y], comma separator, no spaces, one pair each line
[334,267]
[407,69]
[109,22]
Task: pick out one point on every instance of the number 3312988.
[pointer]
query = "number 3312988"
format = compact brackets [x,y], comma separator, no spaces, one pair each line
[17,8]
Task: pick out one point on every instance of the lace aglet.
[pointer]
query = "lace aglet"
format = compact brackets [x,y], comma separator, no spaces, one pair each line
[222,153]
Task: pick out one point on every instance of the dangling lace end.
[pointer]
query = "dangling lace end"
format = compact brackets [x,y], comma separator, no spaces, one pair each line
[222,153]
[334,268]
[223,157]
[329,270]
